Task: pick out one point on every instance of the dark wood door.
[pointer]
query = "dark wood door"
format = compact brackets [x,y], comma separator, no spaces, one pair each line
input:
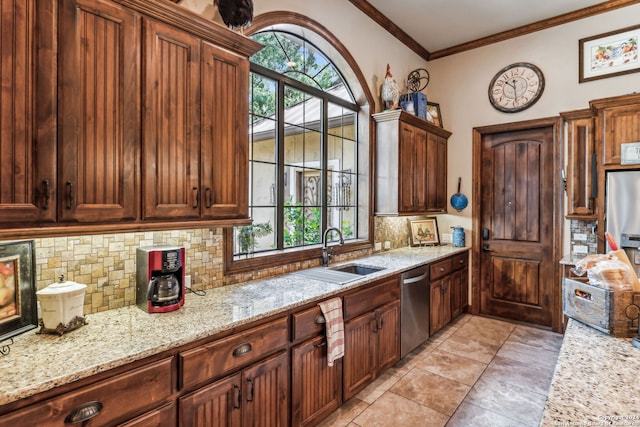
[436,174]
[216,405]
[413,178]
[316,386]
[27,133]
[517,224]
[224,162]
[171,140]
[98,112]
[359,354]
[265,393]
[387,336]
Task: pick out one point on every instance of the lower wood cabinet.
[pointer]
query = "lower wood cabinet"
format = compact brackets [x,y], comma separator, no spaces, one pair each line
[449,293]
[255,396]
[459,284]
[372,339]
[164,416]
[440,304]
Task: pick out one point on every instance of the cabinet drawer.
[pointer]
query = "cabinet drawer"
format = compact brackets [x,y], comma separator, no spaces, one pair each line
[440,269]
[220,357]
[460,261]
[307,323]
[372,296]
[122,397]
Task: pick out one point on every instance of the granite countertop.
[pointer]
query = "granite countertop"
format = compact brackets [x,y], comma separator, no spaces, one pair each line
[37,363]
[595,381]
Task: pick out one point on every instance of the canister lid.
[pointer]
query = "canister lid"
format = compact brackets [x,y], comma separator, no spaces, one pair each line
[61,287]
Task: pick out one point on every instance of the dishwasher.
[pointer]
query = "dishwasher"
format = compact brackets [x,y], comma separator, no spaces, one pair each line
[414,308]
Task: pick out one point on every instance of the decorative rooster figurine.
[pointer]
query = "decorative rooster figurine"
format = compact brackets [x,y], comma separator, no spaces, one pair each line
[236,14]
[390,92]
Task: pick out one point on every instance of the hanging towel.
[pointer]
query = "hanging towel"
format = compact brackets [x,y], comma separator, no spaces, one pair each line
[332,312]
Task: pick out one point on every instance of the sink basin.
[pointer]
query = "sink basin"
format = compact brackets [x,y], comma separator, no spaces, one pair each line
[361,270]
[337,275]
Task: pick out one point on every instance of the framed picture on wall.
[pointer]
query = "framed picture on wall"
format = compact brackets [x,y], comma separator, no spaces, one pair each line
[433,114]
[609,54]
[424,232]
[18,312]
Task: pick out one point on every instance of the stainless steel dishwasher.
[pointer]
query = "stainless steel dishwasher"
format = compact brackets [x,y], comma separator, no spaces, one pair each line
[414,306]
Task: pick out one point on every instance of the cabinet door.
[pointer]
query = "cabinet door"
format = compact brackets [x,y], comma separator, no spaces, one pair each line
[164,416]
[171,128]
[388,336]
[316,387]
[619,125]
[459,292]
[98,112]
[436,171]
[265,393]
[413,178]
[27,131]
[440,304]
[359,354]
[225,143]
[216,405]
[581,171]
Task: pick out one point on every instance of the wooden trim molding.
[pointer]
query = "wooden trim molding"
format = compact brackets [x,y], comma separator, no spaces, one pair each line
[565,18]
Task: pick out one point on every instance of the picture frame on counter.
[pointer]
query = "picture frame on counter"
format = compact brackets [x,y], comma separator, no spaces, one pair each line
[433,114]
[18,306]
[609,54]
[424,232]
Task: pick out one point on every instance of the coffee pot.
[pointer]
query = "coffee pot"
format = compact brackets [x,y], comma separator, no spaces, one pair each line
[164,288]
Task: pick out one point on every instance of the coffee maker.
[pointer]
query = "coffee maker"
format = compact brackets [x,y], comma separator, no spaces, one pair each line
[160,278]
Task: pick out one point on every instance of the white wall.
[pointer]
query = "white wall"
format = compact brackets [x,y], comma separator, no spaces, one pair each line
[459,83]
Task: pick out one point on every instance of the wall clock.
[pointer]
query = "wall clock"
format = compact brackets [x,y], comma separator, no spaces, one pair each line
[516,87]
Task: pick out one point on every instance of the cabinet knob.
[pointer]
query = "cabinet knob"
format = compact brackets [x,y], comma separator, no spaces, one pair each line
[442,269]
[84,412]
[320,319]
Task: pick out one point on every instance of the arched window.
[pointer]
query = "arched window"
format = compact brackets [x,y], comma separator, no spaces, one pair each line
[308,158]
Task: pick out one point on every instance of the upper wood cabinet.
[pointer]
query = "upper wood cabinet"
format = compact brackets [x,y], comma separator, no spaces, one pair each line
[582,184]
[98,112]
[28,152]
[618,122]
[411,165]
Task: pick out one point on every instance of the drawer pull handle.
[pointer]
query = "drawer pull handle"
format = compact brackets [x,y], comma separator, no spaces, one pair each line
[47,194]
[209,202]
[196,197]
[250,392]
[442,269]
[320,319]
[322,344]
[242,349]
[69,195]
[237,397]
[84,412]
[461,261]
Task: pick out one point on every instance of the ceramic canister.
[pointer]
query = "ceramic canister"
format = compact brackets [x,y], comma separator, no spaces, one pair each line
[458,237]
[61,303]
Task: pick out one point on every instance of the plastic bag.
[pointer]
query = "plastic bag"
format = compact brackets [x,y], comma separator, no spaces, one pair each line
[611,274]
[587,263]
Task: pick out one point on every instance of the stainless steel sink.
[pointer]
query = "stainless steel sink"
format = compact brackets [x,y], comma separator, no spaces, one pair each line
[338,275]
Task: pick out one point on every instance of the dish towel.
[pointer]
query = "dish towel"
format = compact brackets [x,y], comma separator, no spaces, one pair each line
[334,325]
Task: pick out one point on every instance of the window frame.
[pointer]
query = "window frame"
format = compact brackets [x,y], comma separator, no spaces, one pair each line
[364,101]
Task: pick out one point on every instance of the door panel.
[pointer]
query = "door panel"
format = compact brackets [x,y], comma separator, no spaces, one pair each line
[517,205]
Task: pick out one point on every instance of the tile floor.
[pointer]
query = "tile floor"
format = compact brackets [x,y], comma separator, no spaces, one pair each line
[474,372]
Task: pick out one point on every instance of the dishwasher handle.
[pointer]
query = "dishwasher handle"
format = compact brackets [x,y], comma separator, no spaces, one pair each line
[415,279]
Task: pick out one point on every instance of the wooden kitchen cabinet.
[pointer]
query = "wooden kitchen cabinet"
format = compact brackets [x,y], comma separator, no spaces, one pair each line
[449,290]
[372,334]
[459,284]
[411,171]
[617,123]
[440,304]
[310,404]
[256,396]
[118,399]
[28,160]
[98,112]
[582,172]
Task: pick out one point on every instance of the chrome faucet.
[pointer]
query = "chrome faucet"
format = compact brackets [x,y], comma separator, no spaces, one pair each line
[326,254]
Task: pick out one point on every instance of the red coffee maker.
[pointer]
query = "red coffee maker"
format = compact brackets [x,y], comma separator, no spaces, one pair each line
[160,278]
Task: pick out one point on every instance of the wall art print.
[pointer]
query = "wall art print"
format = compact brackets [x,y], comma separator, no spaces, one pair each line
[609,54]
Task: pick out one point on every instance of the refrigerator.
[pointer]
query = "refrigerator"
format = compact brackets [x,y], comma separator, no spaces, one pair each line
[622,212]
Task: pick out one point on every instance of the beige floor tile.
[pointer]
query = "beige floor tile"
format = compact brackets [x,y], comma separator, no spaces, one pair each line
[469,348]
[537,337]
[509,400]
[452,366]
[442,334]
[431,390]
[393,410]
[519,374]
[460,320]
[469,415]
[545,359]
[486,330]
[381,384]
[345,414]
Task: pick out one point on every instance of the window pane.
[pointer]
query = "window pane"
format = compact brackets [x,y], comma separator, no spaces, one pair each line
[348,223]
[262,97]
[262,144]
[257,237]
[302,225]
[263,184]
[302,147]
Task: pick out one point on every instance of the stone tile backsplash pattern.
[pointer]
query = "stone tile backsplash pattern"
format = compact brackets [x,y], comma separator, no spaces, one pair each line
[106,263]
[587,228]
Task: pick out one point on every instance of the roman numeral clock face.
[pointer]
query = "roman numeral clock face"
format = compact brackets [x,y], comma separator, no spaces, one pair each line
[516,87]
